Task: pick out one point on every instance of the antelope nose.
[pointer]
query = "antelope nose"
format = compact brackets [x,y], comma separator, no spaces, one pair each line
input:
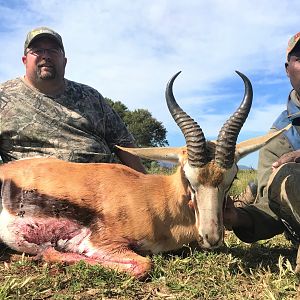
[211,242]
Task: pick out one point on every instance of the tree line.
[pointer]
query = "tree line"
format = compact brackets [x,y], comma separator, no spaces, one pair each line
[147,131]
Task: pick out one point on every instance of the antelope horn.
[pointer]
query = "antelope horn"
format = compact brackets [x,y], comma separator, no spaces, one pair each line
[226,142]
[194,137]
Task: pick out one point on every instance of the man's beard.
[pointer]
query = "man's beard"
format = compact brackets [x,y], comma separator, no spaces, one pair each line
[46,75]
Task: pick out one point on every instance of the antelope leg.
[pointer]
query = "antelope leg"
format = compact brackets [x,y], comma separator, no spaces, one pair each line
[126,261]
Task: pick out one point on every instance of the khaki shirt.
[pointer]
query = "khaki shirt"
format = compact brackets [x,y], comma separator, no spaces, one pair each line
[77,125]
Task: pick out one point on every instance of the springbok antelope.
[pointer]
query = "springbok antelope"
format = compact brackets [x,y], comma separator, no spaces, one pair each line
[111,215]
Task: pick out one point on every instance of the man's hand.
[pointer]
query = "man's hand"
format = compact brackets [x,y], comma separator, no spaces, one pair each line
[230,214]
[293,156]
[131,160]
[235,217]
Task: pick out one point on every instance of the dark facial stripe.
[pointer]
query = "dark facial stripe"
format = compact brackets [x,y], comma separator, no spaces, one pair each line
[31,203]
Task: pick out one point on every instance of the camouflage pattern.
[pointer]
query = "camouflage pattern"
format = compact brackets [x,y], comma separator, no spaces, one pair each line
[293,41]
[77,125]
[42,31]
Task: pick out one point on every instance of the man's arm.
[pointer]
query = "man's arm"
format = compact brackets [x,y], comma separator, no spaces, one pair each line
[235,217]
[131,160]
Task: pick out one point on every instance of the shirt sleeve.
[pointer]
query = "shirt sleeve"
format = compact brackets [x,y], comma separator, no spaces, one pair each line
[116,132]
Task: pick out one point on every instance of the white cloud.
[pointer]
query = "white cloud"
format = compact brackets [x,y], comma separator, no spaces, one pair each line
[128,50]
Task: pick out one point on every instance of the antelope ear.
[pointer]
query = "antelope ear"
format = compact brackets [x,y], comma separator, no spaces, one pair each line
[168,154]
[249,146]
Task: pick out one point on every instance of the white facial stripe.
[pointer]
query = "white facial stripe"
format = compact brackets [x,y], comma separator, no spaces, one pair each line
[191,174]
[208,203]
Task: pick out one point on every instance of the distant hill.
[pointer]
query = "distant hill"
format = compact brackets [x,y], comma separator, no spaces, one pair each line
[165,164]
[243,167]
[171,165]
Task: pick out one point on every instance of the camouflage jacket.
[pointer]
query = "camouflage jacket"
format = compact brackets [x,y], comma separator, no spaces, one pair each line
[77,125]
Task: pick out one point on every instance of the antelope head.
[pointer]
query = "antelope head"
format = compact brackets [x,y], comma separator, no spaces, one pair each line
[209,166]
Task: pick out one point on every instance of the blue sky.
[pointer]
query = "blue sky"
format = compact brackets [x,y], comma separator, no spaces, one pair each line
[128,50]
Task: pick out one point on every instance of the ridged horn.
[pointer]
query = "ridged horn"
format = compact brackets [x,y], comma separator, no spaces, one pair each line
[226,142]
[194,137]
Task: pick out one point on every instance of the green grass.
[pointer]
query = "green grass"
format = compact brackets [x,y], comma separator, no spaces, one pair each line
[243,177]
[237,271]
[262,270]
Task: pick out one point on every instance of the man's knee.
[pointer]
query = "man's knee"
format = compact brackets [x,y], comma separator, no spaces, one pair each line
[284,196]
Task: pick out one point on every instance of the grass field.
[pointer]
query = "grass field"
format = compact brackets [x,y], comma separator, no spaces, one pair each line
[262,270]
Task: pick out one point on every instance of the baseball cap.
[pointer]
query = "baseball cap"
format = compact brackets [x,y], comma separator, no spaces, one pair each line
[293,41]
[40,32]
